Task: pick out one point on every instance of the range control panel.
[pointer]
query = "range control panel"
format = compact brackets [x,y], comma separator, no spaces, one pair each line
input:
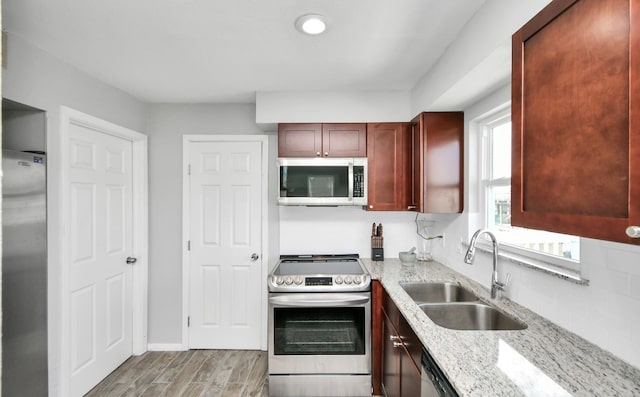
[348,282]
[313,281]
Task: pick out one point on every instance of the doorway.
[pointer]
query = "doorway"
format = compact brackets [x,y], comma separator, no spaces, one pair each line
[102,245]
[224,230]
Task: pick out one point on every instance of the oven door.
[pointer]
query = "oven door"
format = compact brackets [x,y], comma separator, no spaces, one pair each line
[320,333]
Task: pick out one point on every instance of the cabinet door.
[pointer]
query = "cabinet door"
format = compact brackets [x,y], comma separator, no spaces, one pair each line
[439,162]
[344,140]
[389,159]
[412,344]
[377,329]
[391,356]
[410,377]
[300,140]
[576,141]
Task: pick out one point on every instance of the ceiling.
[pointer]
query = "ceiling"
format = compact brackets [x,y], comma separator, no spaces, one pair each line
[224,51]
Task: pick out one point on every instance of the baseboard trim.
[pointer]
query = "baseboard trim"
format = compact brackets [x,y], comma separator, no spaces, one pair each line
[165,347]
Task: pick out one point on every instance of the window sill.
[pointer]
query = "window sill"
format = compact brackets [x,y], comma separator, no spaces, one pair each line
[535,264]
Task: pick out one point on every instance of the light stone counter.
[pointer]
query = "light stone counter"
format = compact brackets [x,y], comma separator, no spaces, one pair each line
[543,360]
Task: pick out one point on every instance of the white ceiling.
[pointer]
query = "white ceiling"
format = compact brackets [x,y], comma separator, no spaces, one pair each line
[190,51]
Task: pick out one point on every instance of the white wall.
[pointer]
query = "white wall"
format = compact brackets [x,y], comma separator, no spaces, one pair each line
[478,61]
[343,230]
[36,78]
[167,123]
[335,107]
[604,312]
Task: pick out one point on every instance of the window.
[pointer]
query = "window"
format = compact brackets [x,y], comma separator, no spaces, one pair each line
[495,198]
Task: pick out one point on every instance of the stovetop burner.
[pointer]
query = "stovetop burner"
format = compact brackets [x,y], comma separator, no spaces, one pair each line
[319,273]
[320,258]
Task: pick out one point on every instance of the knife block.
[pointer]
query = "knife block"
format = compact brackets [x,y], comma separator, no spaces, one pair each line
[377,250]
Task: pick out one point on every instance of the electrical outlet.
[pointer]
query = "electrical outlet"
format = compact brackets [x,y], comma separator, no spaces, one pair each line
[460,247]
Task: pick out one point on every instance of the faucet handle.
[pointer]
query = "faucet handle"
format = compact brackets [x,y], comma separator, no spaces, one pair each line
[502,285]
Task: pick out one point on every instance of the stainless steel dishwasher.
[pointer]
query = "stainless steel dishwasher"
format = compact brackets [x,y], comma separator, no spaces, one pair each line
[434,383]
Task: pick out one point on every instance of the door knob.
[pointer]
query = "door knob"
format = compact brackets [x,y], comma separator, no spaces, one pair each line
[131,260]
[254,257]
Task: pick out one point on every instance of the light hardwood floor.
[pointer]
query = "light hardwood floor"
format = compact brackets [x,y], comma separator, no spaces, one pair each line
[193,373]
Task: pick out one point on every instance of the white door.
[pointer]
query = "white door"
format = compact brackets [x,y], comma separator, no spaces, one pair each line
[100,280]
[225,261]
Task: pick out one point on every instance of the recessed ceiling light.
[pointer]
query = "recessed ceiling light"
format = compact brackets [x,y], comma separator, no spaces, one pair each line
[311,24]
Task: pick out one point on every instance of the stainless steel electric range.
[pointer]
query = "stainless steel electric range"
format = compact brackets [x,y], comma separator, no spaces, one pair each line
[319,326]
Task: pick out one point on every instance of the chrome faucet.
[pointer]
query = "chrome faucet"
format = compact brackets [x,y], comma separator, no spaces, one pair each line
[468,258]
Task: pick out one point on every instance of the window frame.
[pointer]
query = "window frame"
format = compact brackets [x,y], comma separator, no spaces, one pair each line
[547,262]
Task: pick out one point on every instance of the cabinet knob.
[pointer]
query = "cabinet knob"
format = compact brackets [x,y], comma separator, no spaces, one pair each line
[326,154]
[371,206]
[633,231]
[318,154]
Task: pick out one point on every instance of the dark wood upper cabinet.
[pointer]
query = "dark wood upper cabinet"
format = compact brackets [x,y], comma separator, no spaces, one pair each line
[438,162]
[344,140]
[389,160]
[576,119]
[300,140]
[322,140]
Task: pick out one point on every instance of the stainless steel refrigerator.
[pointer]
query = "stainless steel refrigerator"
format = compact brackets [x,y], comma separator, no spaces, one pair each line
[24,274]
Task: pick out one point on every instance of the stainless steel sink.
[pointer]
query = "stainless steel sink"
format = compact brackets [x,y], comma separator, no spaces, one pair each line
[452,306]
[425,292]
[470,316]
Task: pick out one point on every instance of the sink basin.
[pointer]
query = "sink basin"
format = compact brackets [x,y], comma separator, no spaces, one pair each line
[470,316]
[424,292]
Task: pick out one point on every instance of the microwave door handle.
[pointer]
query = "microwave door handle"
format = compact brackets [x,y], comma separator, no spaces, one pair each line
[318,302]
[351,181]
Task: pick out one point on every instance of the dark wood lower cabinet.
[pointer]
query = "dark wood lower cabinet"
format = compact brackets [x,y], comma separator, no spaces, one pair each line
[397,363]
[391,361]
[410,377]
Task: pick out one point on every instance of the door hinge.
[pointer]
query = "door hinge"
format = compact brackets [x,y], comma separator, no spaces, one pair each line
[188,321]
[189,169]
[189,245]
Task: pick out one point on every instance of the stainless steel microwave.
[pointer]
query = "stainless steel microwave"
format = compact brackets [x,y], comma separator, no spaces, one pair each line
[322,181]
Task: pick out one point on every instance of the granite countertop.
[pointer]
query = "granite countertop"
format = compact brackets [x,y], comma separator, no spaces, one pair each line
[542,360]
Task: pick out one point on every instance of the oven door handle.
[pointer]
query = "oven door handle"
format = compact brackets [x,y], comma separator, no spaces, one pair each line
[295,300]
